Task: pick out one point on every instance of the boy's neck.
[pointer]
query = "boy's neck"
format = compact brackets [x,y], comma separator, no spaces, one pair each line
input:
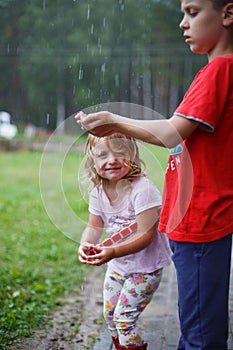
[210,58]
[225,48]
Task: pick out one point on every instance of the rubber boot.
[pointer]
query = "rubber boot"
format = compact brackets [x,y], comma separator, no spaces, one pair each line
[115,341]
[133,347]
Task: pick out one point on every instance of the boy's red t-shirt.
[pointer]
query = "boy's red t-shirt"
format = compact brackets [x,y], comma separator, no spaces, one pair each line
[198,193]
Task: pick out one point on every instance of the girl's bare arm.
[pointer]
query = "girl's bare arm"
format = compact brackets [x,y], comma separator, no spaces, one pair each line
[93,231]
[90,237]
[146,223]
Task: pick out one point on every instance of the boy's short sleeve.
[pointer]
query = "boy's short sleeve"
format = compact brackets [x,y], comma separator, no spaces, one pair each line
[206,98]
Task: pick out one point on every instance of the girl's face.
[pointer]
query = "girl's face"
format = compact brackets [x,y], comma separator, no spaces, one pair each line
[111,163]
[203,27]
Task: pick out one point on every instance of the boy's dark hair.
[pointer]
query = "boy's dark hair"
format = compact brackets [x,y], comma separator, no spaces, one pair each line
[218,4]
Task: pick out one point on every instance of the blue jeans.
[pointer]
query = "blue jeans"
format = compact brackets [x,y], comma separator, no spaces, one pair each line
[203,274]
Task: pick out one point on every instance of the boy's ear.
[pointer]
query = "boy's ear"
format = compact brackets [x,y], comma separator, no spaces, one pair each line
[228,14]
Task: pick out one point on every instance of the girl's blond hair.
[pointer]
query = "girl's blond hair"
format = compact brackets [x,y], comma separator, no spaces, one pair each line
[115,140]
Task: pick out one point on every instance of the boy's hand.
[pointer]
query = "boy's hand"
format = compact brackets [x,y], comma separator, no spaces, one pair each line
[99,123]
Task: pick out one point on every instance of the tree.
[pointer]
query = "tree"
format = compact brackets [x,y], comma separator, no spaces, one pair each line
[11,88]
[62,56]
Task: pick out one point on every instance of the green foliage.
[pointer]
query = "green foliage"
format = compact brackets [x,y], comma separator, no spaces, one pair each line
[77,54]
[38,263]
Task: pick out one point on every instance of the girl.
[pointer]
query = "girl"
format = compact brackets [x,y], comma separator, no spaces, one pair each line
[199,226]
[122,196]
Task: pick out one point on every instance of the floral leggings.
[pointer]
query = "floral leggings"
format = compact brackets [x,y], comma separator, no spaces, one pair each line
[125,297]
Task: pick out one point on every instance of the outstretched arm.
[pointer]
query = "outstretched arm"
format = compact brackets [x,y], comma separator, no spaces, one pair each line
[165,132]
[146,223]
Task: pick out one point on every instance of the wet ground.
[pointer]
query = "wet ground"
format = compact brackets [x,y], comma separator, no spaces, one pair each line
[78,323]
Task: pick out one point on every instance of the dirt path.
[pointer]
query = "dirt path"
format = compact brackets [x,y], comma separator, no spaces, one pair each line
[74,325]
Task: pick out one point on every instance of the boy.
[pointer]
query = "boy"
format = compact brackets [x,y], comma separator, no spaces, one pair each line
[198,196]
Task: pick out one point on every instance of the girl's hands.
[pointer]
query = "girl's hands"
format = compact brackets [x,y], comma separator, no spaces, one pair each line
[95,255]
[85,250]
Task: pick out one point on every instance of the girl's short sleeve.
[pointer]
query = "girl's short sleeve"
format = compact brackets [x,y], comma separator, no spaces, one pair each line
[145,195]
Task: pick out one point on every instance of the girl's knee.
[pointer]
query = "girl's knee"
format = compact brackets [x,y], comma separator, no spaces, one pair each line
[109,316]
[126,316]
[108,312]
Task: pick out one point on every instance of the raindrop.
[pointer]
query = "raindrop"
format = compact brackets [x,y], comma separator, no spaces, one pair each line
[92,28]
[44,4]
[99,46]
[103,68]
[80,73]
[47,118]
[88,11]
[117,80]
[122,6]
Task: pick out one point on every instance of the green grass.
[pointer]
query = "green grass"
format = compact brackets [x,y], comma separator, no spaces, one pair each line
[37,262]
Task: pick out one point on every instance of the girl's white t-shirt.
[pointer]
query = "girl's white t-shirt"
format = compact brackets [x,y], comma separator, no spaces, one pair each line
[140,195]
